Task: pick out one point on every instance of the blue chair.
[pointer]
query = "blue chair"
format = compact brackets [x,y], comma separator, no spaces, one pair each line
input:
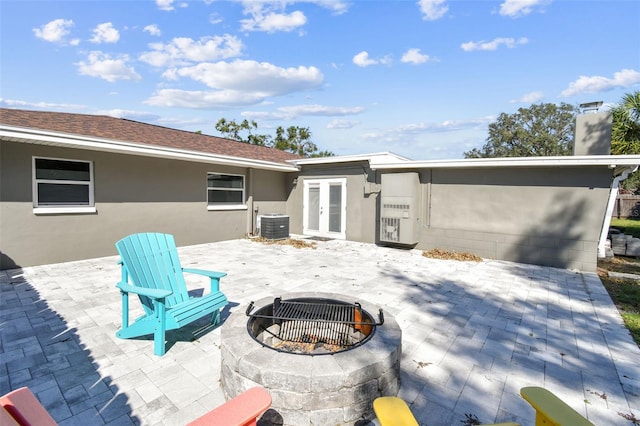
[151,270]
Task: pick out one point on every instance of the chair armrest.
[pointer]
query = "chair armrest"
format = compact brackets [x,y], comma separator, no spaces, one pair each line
[391,410]
[210,274]
[242,410]
[153,293]
[551,409]
[25,408]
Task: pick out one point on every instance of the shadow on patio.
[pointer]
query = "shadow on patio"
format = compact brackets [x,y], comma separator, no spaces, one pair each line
[42,351]
[473,334]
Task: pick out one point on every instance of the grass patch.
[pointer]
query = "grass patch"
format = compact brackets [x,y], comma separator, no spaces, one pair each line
[451,255]
[627,226]
[625,293]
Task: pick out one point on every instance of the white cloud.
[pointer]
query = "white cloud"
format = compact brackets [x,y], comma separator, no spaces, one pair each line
[101,65]
[493,44]
[166,5]
[199,99]
[337,6]
[185,50]
[414,56]
[400,133]
[252,76]
[105,33]
[215,18]
[15,103]
[528,98]
[54,31]
[236,83]
[295,111]
[433,9]
[594,84]
[362,59]
[273,22]
[153,30]
[130,114]
[517,8]
[342,124]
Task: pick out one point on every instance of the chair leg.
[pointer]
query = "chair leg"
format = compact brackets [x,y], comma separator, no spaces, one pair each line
[159,332]
[125,309]
[215,318]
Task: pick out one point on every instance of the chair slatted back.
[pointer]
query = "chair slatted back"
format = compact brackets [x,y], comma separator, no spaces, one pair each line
[151,261]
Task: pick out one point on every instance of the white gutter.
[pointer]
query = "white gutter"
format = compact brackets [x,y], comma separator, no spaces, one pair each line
[559,161]
[19,134]
[613,194]
[378,157]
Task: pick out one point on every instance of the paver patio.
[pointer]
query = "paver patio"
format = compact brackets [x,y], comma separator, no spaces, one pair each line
[473,334]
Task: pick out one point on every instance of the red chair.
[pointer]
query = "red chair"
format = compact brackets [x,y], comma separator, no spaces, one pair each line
[20,407]
[243,410]
[25,409]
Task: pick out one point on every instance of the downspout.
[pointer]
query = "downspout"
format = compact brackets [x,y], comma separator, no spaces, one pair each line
[251,225]
[613,194]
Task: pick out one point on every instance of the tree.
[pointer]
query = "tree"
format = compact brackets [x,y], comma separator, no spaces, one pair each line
[296,140]
[625,133]
[541,130]
[231,130]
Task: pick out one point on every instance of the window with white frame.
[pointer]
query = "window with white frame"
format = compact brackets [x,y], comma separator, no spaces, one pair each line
[60,183]
[225,191]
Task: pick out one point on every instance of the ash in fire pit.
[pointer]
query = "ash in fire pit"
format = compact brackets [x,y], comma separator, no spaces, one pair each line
[337,388]
[311,326]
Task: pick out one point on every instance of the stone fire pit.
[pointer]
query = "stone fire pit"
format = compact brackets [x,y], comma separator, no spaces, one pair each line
[336,389]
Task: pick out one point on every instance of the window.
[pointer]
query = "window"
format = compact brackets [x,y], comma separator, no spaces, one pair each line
[62,186]
[225,191]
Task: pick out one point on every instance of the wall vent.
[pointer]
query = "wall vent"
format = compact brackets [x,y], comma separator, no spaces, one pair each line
[399,203]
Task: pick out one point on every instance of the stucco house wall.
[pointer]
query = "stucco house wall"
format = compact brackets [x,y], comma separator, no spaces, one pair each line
[548,211]
[132,194]
[542,215]
[548,216]
[361,209]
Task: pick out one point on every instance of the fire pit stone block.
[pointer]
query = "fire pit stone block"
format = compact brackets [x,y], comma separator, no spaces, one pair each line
[336,389]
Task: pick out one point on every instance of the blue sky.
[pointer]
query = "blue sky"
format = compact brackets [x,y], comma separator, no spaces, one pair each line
[421,79]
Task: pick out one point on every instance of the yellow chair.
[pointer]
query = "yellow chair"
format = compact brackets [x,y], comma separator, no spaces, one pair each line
[393,411]
[551,410]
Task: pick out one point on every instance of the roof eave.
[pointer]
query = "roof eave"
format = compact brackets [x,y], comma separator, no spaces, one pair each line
[42,137]
[378,156]
[610,161]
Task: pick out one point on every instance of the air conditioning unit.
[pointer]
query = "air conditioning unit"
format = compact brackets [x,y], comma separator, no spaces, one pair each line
[399,201]
[273,226]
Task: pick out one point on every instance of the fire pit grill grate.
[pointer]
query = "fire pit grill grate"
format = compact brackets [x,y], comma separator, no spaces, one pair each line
[315,321]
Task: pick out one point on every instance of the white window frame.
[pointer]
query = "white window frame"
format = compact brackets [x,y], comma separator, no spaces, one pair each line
[230,206]
[62,208]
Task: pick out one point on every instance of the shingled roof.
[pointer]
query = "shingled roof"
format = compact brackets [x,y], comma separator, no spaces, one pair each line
[125,130]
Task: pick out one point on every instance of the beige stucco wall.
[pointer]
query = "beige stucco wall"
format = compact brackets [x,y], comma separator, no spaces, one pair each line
[361,207]
[543,215]
[132,194]
[549,216]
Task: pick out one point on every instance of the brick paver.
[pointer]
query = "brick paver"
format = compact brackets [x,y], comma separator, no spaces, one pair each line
[473,334]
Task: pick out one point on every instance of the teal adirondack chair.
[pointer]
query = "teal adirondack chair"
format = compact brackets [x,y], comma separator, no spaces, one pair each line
[151,270]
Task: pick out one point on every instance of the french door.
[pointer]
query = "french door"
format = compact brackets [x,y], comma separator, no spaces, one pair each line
[325,207]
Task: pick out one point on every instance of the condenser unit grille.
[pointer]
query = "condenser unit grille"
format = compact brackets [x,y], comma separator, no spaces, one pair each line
[274,227]
[390,229]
